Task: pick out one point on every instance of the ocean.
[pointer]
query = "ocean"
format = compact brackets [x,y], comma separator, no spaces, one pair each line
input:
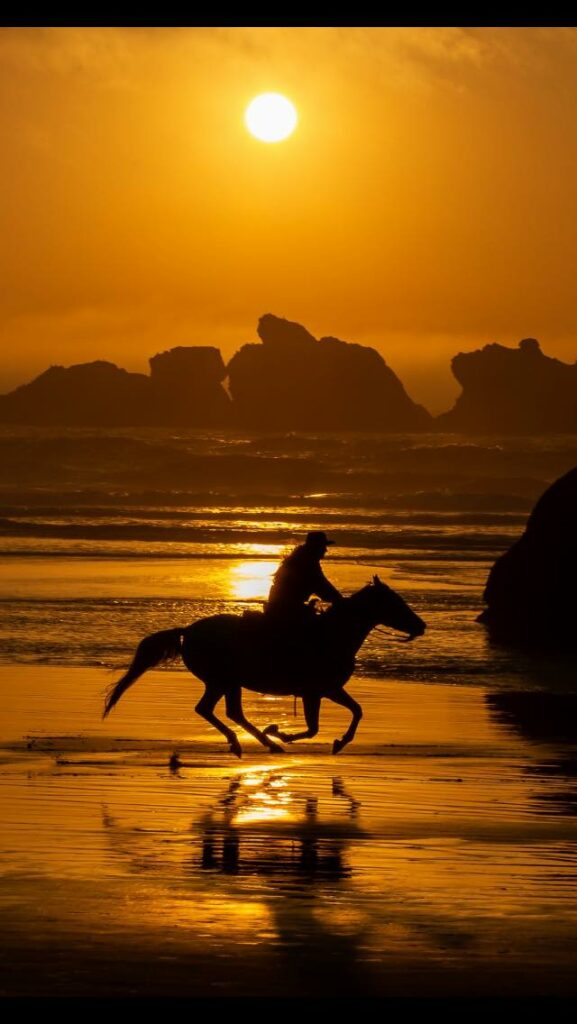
[108,535]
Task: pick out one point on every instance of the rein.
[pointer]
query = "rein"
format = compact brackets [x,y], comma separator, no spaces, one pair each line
[392,636]
[387,631]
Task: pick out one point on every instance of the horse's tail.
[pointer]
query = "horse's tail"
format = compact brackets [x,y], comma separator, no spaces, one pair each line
[151,651]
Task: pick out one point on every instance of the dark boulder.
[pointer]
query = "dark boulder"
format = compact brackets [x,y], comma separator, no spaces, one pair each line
[531,592]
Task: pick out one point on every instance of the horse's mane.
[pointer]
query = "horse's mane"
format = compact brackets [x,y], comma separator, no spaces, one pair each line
[353,599]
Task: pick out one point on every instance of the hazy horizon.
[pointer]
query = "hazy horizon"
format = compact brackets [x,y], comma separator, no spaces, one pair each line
[423,205]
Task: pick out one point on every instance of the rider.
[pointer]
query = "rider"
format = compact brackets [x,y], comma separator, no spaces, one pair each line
[298,577]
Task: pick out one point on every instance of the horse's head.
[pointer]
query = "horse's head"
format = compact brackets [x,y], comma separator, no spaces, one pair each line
[392,610]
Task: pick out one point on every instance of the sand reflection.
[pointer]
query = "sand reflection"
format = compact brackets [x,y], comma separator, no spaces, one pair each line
[548,721]
[276,866]
[265,797]
[259,825]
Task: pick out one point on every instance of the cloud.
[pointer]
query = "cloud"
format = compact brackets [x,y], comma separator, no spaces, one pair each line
[115,57]
[95,52]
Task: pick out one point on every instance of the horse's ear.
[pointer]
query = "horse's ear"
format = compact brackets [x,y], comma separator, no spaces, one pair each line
[377,582]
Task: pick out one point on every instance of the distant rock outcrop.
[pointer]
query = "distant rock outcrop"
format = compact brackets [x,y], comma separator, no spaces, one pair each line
[88,394]
[531,592]
[292,381]
[186,387]
[509,391]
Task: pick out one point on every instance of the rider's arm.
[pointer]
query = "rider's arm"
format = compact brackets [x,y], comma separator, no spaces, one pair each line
[324,588]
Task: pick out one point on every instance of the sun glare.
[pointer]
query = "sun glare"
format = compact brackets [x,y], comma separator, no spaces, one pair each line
[252,579]
[270,117]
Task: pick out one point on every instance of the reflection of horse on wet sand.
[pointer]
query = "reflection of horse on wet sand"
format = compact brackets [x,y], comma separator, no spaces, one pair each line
[269,842]
[260,825]
[315,661]
[264,799]
[320,913]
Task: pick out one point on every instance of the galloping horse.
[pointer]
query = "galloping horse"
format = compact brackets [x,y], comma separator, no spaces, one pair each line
[228,652]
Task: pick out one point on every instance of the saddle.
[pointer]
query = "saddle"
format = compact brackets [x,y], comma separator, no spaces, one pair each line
[295,629]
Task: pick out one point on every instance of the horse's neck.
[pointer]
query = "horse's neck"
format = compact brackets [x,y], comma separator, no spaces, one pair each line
[353,625]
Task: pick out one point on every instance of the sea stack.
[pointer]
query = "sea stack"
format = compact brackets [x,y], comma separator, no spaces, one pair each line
[531,592]
[512,391]
[292,381]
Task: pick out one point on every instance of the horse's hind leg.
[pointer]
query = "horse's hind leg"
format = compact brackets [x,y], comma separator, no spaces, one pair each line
[343,698]
[311,707]
[205,708]
[236,714]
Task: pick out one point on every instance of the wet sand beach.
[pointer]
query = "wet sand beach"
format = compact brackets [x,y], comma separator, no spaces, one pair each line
[434,857]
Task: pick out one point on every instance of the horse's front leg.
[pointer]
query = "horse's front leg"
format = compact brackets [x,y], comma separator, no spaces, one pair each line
[311,707]
[205,708]
[343,698]
[236,714]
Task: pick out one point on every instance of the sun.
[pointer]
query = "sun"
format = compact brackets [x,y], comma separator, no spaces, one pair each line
[271,117]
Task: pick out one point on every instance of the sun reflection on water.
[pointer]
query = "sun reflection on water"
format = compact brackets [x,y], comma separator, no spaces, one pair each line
[259,796]
[252,579]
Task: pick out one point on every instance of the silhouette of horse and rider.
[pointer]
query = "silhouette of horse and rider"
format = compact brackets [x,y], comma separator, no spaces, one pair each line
[290,649]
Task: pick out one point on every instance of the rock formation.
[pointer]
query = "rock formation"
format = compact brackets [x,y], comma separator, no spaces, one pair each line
[531,592]
[509,391]
[88,394]
[292,381]
[186,387]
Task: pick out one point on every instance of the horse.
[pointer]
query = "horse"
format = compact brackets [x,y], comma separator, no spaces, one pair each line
[314,660]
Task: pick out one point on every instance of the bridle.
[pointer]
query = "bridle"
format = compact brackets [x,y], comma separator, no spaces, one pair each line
[393,636]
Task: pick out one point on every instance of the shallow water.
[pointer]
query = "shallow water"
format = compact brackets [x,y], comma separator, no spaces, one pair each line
[107,535]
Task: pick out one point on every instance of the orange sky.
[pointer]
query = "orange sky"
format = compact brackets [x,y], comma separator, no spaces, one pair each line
[425,205]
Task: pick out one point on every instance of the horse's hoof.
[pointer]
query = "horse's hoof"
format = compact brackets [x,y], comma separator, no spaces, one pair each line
[271,730]
[337,745]
[235,748]
[275,749]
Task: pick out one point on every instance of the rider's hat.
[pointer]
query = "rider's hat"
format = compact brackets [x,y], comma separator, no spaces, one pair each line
[316,538]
